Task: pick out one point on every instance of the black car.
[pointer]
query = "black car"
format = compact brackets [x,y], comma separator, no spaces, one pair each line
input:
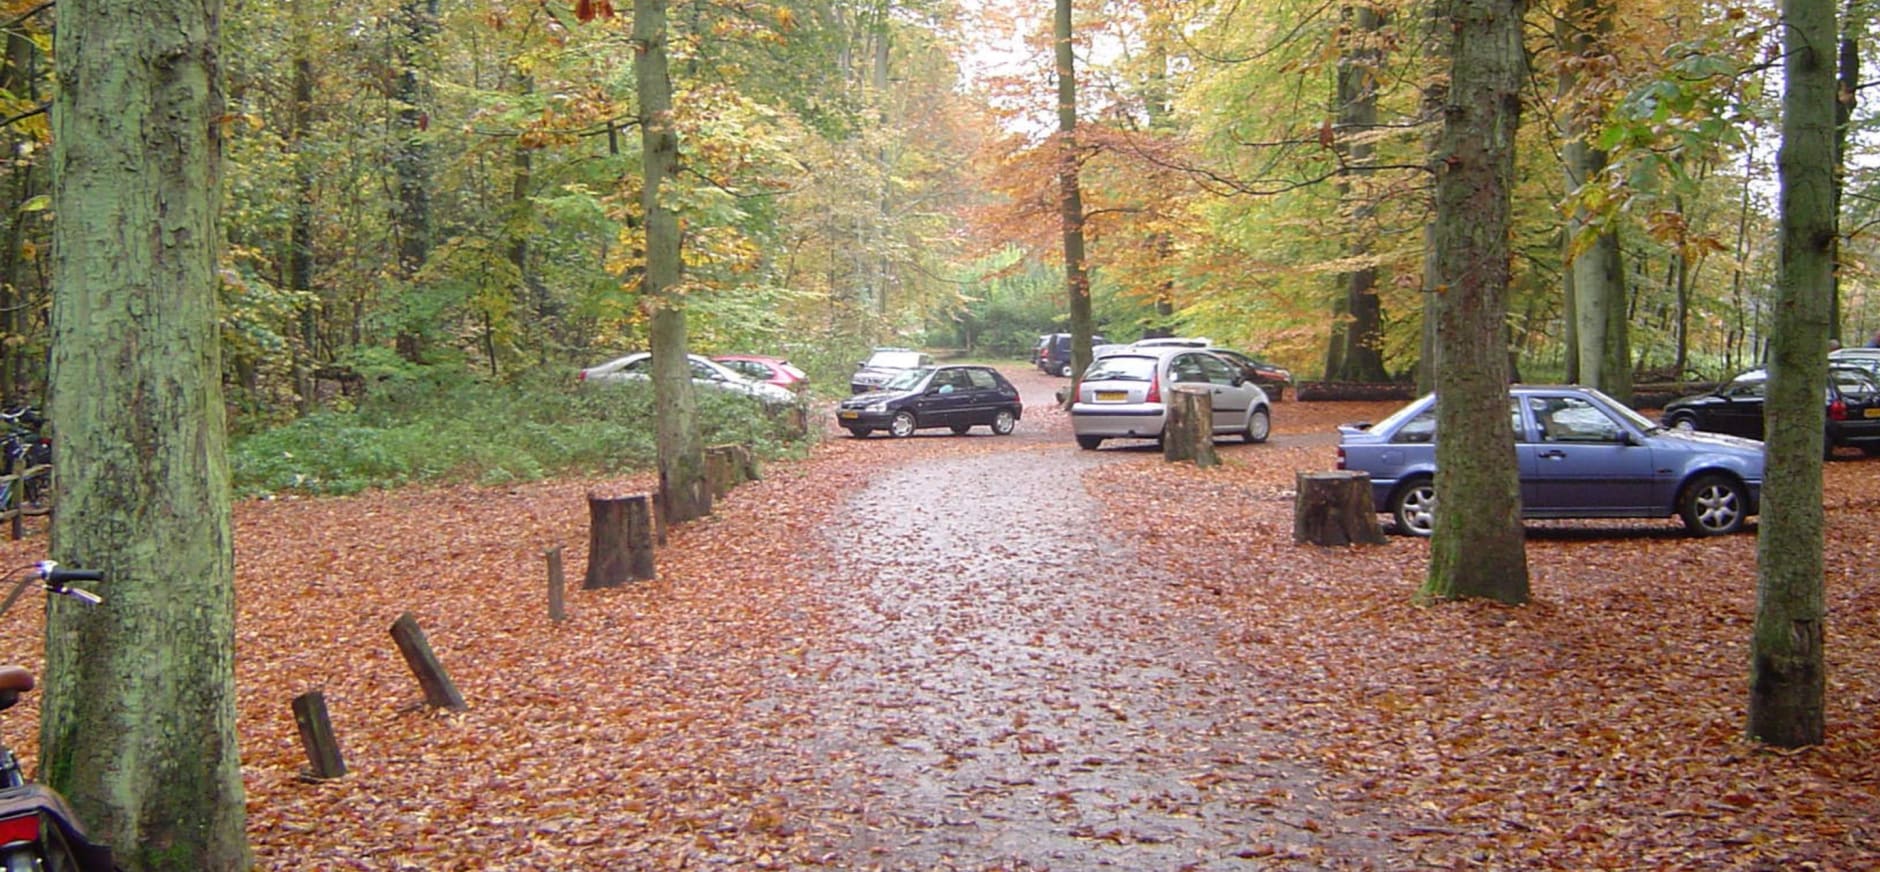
[882,365]
[1053,354]
[1736,408]
[1272,379]
[956,396]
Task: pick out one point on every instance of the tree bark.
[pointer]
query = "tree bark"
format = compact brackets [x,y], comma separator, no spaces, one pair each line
[1595,265]
[683,492]
[138,720]
[1477,549]
[1358,330]
[1071,205]
[1335,508]
[1189,432]
[1786,659]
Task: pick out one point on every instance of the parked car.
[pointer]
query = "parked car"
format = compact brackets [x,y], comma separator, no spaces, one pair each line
[959,396]
[1272,379]
[1175,342]
[1865,358]
[1122,395]
[882,365]
[1053,354]
[1581,454]
[706,373]
[1736,408]
[773,370]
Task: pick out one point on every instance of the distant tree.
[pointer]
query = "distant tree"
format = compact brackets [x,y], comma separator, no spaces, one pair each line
[1071,201]
[1477,549]
[1787,671]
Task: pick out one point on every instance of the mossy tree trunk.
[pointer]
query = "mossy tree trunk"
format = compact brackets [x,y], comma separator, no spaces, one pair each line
[138,719]
[1477,548]
[1071,198]
[1786,661]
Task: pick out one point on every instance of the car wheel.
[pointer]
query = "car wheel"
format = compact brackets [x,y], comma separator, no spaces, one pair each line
[1004,422]
[960,429]
[1065,370]
[1683,423]
[1414,507]
[859,432]
[1259,426]
[902,426]
[1089,443]
[1713,505]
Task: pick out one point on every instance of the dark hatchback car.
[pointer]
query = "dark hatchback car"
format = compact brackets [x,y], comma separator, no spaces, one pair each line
[1581,454]
[1272,379]
[1053,354]
[959,397]
[1736,408]
[883,365]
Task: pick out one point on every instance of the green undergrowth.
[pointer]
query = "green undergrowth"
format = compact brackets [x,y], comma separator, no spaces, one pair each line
[421,431]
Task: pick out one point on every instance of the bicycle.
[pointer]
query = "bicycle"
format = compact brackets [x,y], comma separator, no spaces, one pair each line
[24,447]
[38,831]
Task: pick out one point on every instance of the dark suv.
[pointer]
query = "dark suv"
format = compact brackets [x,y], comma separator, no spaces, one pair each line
[1053,354]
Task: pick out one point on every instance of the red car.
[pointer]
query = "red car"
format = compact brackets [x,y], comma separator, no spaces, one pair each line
[757,367]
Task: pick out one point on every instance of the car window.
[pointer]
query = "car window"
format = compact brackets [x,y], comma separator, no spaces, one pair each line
[1216,370]
[1187,368]
[639,367]
[1571,419]
[907,380]
[982,379]
[1853,384]
[1121,368]
[1419,429]
[1745,388]
[704,372]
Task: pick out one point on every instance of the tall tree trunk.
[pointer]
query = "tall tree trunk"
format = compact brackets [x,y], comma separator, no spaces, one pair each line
[138,720]
[681,457]
[413,162]
[1071,207]
[1601,329]
[1786,660]
[1853,25]
[300,233]
[1359,317]
[1477,549]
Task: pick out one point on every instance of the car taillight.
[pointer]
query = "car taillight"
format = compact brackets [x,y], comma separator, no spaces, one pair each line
[1341,458]
[24,828]
[581,376]
[1155,390]
[1837,410]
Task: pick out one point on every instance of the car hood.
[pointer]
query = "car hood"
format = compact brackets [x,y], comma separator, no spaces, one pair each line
[1713,440]
[873,397]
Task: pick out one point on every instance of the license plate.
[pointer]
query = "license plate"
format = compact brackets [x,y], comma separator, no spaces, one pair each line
[1114,396]
[846,415]
[1872,413]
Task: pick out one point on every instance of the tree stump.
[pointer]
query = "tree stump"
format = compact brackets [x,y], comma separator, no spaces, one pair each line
[316,735]
[727,466]
[439,690]
[557,610]
[620,540]
[1335,508]
[1189,433]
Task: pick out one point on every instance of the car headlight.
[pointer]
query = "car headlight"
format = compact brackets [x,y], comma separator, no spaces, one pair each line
[877,407]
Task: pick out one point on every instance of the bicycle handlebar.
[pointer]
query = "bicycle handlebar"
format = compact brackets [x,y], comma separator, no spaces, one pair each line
[58,581]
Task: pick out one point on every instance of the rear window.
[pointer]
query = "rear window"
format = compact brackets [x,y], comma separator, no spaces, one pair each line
[1121,367]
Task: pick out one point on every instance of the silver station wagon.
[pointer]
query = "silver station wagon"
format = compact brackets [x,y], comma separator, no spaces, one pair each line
[1582,454]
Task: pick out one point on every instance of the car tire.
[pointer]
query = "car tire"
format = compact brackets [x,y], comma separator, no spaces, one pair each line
[859,432]
[1413,507]
[1259,426]
[1004,423]
[1065,370]
[961,429]
[902,426]
[1713,505]
[1089,443]
[1683,423]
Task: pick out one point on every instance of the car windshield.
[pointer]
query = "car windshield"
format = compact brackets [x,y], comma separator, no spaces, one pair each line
[909,380]
[1121,367]
[894,359]
[1626,413]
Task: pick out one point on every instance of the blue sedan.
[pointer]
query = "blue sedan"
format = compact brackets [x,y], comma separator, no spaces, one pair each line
[1581,454]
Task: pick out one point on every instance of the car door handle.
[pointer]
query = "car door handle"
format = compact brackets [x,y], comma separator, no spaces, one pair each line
[1553,454]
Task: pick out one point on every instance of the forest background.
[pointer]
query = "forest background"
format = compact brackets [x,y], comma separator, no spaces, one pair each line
[440,200]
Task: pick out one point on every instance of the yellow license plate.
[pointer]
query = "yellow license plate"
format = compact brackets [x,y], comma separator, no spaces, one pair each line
[847,415]
[1112,396]
[1872,413]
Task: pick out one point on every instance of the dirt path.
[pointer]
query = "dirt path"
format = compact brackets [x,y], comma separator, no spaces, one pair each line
[1011,690]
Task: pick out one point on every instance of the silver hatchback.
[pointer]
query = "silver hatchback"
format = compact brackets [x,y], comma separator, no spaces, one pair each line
[1122,395]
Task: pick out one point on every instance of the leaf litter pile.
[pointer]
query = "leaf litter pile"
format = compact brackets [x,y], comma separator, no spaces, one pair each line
[674,723]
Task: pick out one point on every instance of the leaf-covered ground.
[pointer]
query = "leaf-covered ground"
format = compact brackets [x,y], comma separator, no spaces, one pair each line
[755,706]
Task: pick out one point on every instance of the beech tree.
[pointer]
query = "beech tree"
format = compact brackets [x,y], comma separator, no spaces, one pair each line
[1787,672]
[1071,202]
[1477,548]
[138,719]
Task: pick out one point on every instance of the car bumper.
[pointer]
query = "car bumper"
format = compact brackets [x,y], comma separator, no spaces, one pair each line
[863,418]
[1112,421]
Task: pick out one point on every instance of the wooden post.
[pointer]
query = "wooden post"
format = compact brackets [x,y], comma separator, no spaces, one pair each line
[1335,508]
[439,690]
[620,540]
[316,735]
[556,611]
[1189,433]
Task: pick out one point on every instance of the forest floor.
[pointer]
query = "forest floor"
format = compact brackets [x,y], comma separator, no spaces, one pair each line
[1005,653]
